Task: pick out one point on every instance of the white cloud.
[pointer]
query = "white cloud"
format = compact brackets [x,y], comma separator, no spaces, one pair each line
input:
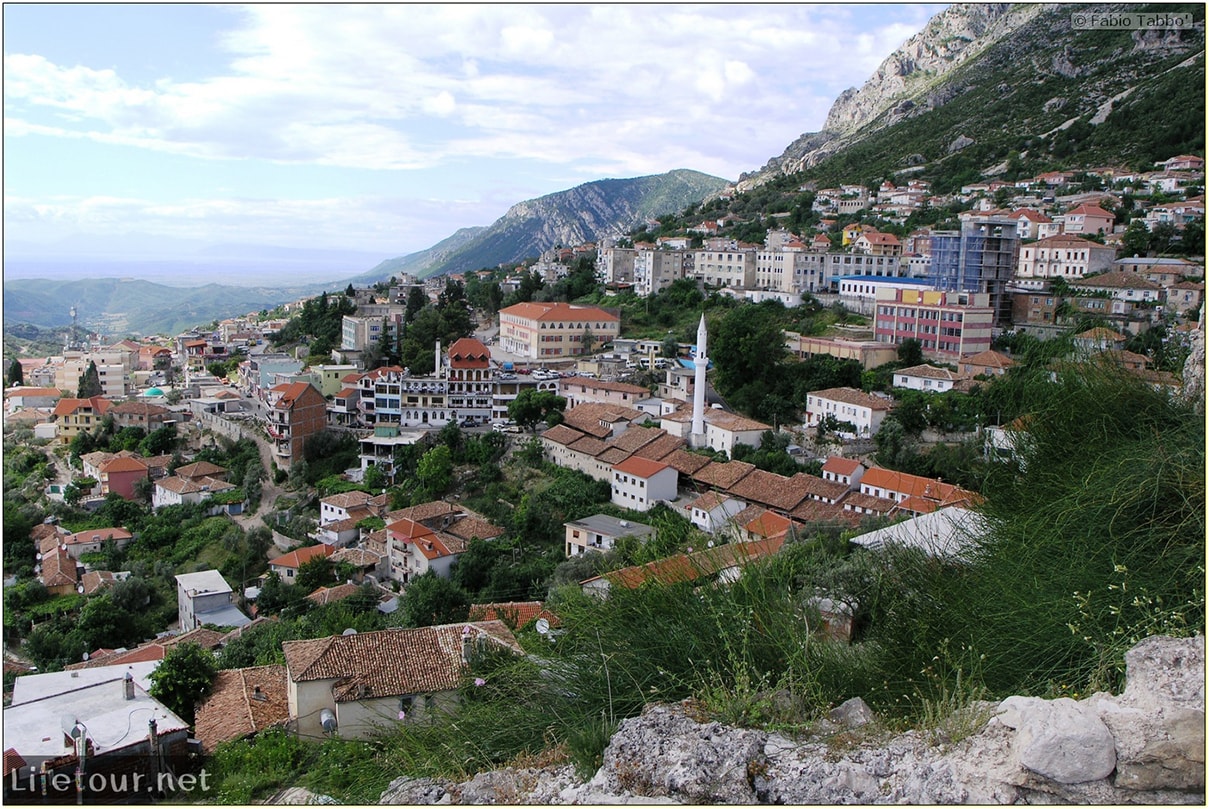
[303,79]
[382,223]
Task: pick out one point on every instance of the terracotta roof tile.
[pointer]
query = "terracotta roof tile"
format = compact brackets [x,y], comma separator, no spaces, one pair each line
[300,557]
[200,469]
[685,462]
[723,475]
[329,595]
[640,467]
[241,702]
[853,396]
[562,434]
[661,448]
[391,662]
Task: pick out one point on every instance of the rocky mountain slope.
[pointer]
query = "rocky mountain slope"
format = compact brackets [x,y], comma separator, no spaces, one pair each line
[585,213]
[1009,78]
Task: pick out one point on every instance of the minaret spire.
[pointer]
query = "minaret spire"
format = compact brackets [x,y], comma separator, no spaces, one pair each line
[699,363]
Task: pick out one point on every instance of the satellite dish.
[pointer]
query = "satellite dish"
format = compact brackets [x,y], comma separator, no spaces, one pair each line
[542,626]
[349,631]
[85,656]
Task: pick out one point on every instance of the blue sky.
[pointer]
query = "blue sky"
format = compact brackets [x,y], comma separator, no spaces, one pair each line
[154,129]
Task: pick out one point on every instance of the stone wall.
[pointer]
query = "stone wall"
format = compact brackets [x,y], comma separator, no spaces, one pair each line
[1146,745]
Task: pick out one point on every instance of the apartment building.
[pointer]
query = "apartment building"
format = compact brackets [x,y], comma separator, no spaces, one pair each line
[1063,256]
[981,257]
[657,269]
[296,412]
[948,325]
[734,268]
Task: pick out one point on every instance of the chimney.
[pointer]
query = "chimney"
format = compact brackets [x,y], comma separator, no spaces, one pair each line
[436,368]
[128,686]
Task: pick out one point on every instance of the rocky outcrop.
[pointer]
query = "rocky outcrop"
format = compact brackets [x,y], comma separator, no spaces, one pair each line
[909,82]
[1144,746]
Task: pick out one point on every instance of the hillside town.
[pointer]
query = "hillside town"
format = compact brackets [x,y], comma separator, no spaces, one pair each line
[567,384]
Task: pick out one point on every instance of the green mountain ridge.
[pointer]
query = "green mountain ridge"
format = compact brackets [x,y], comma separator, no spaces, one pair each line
[124,306]
[585,213]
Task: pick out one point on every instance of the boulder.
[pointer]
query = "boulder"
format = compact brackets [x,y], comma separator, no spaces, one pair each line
[1060,739]
[1158,722]
[664,753]
[853,713]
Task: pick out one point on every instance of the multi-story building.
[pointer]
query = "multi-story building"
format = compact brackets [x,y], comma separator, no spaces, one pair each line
[149,417]
[981,257]
[735,268]
[550,331]
[948,325]
[861,411]
[75,416]
[657,269]
[469,381]
[859,292]
[359,333]
[1063,256]
[297,412]
[820,272]
[615,265]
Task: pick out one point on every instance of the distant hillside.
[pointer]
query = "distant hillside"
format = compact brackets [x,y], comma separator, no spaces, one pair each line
[986,89]
[418,263]
[585,213]
[131,307]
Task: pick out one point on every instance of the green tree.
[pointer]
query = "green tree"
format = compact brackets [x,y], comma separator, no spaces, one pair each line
[430,600]
[182,678]
[16,374]
[532,406]
[90,383]
[911,352]
[435,470]
[313,574]
[158,442]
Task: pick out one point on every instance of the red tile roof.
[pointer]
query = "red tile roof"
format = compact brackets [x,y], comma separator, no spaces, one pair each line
[841,466]
[392,662]
[641,467]
[241,702]
[558,312]
[469,353]
[298,558]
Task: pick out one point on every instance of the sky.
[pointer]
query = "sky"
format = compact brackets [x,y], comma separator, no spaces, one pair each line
[169,130]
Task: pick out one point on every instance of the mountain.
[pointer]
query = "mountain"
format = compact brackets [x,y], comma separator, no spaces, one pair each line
[123,307]
[585,213]
[984,88]
[417,263]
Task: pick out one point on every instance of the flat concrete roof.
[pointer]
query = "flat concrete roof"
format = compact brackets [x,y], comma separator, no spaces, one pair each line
[30,687]
[613,527]
[112,722]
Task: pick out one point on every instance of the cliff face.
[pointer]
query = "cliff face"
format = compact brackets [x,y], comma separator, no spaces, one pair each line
[1010,77]
[949,39]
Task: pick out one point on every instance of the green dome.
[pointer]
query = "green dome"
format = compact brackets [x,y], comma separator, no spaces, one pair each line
[153,392]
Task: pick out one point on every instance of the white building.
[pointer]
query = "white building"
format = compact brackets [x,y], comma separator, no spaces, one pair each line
[600,533]
[206,598]
[639,484]
[927,378]
[861,410]
[712,512]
